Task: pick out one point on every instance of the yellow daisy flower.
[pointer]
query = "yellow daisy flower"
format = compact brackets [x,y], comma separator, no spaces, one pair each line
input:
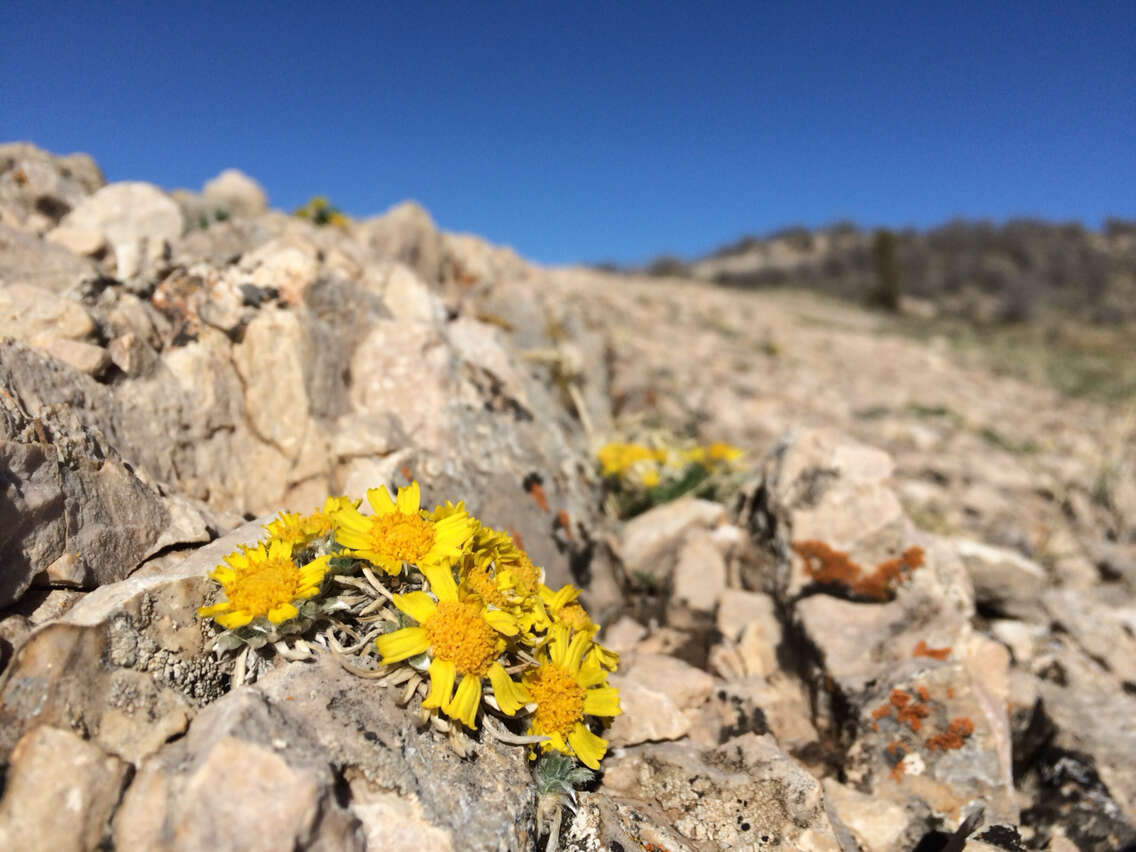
[563,608]
[565,688]
[463,637]
[322,521]
[289,527]
[264,581]
[399,533]
[616,458]
[720,451]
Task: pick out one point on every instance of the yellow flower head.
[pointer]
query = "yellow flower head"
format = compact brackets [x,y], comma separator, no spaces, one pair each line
[720,451]
[463,637]
[565,688]
[498,570]
[563,608]
[399,533]
[263,581]
[322,521]
[289,527]
[617,458]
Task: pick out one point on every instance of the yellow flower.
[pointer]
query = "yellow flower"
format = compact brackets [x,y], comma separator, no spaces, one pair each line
[723,452]
[399,533]
[565,688]
[616,458]
[463,637]
[563,608]
[289,527]
[322,521]
[263,581]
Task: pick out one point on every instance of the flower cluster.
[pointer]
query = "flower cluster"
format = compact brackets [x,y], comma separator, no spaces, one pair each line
[642,474]
[320,211]
[453,607]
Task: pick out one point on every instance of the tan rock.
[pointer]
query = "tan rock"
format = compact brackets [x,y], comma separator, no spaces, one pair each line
[131,215]
[648,715]
[700,573]
[59,792]
[685,685]
[406,233]
[395,823]
[37,316]
[85,242]
[878,826]
[648,541]
[84,357]
[290,265]
[728,798]
[271,360]
[740,608]
[236,192]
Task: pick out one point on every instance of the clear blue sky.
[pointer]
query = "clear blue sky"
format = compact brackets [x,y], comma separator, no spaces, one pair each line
[590,131]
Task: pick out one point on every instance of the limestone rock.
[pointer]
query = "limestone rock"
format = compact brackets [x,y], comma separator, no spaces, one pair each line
[647,540]
[1004,581]
[24,259]
[236,192]
[38,317]
[84,357]
[134,217]
[142,652]
[648,715]
[84,242]
[71,493]
[37,183]
[687,686]
[877,826]
[406,233]
[699,574]
[745,794]
[59,790]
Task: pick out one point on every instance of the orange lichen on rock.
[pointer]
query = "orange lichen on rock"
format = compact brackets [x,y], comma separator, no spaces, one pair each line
[880,584]
[953,737]
[881,711]
[565,522]
[907,712]
[924,693]
[899,698]
[536,491]
[912,715]
[827,565]
[923,650]
[896,751]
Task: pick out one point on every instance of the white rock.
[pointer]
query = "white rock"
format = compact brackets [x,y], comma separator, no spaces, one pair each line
[237,192]
[130,215]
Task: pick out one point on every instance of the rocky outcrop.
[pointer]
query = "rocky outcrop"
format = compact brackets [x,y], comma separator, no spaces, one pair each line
[918,604]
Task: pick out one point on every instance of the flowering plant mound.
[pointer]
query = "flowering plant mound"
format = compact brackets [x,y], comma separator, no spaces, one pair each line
[433,602]
[320,211]
[657,468]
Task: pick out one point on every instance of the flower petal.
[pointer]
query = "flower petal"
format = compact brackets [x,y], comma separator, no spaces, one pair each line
[502,622]
[409,499]
[465,702]
[418,605]
[441,581]
[602,701]
[442,675]
[282,613]
[210,611]
[380,500]
[587,746]
[402,644]
[510,695]
[231,620]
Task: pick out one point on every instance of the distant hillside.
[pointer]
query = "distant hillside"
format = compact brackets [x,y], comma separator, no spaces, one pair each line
[974,270]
